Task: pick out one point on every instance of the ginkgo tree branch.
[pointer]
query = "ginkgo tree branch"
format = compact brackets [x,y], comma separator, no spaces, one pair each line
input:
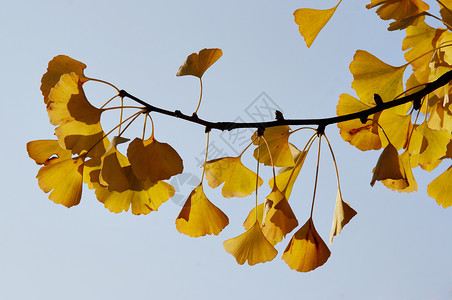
[321,123]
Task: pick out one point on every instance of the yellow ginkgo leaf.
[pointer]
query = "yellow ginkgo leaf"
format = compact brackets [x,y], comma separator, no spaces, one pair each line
[64,179]
[441,188]
[111,172]
[278,141]
[197,63]
[60,174]
[396,128]
[45,152]
[239,181]
[362,136]
[343,213]
[199,216]
[276,218]
[251,218]
[446,14]
[440,117]
[280,219]
[398,9]
[142,196]
[58,66]
[420,40]
[407,184]
[404,23]
[286,176]
[79,122]
[389,166]
[251,246]
[306,250]
[311,21]
[427,145]
[154,160]
[372,76]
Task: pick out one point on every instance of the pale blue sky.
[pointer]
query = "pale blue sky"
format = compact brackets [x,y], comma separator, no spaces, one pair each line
[399,246]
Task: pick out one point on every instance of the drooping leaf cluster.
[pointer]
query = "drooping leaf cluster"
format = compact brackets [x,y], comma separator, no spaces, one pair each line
[86,153]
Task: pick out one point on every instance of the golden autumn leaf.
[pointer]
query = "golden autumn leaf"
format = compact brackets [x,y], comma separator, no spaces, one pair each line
[311,21]
[389,166]
[407,184]
[446,14]
[362,136]
[278,141]
[440,117]
[343,213]
[396,128]
[111,169]
[372,76]
[405,22]
[154,160]
[239,181]
[306,250]
[79,122]
[275,216]
[199,216]
[421,41]
[45,152]
[251,246]
[59,66]
[280,219]
[398,9]
[251,218]
[287,176]
[441,188]
[142,196]
[197,63]
[427,145]
[61,175]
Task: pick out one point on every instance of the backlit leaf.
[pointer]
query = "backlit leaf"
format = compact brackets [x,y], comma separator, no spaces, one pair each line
[64,179]
[396,128]
[278,141]
[287,176]
[142,196]
[154,160]
[280,219]
[251,246]
[239,181]
[343,213]
[362,136]
[389,166]
[306,250]
[427,145]
[45,152]
[79,122]
[404,23]
[199,216]
[197,63]
[59,66]
[61,174]
[441,188]
[311,21]
[372,76]
[407,184]
[398,9]
[421,40]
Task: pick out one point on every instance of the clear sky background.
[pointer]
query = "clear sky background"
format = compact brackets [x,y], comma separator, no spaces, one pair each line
[399,246]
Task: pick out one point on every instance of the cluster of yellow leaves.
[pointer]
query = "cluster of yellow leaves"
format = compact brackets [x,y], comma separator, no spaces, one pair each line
[429,53]
[84,154]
